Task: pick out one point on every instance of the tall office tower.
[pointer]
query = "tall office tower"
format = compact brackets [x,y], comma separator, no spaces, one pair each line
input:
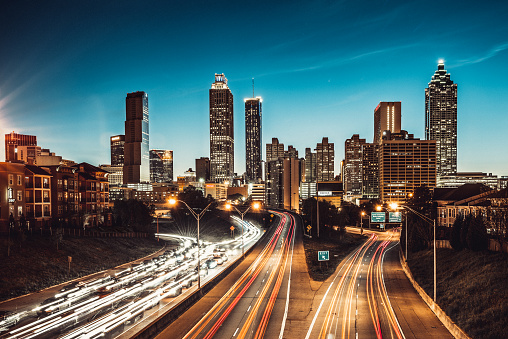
[222,143]
[117,150]
[13,140]
[405,164]
[386,118]
[253,150]
[136,155]
[441,120]
[353,163]
[275,150]
[161,165]
[325,157]
[370,171]
[310,165]
[202,169]
[283,180]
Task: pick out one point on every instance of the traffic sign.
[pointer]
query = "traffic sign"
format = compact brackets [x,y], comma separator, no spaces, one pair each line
[377,217]
[323,255]
[394,217]
[232,228]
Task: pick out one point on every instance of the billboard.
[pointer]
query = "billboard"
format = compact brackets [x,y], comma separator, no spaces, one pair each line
[377,217]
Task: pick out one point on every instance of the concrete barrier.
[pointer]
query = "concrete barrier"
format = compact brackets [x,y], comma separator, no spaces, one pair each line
[455,330]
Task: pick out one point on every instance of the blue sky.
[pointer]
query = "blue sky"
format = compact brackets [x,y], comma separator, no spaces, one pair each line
[320,66]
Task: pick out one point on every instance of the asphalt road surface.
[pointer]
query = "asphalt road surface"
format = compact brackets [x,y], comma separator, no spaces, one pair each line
[271,295]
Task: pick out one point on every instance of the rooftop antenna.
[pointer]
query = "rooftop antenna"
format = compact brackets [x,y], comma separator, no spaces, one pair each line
[253,88]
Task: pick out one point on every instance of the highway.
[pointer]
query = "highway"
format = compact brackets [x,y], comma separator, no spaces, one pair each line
[108,304]
[271,295]
[249,303]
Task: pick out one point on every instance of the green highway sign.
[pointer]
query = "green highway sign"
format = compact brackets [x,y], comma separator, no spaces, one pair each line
[395,217]
[378,217]
[323,255]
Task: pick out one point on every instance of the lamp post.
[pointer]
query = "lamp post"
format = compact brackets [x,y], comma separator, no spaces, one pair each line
[361,222]
[198,217]
[255,205]
[431,222]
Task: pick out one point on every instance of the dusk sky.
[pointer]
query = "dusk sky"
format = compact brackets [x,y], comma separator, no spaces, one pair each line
[321,68]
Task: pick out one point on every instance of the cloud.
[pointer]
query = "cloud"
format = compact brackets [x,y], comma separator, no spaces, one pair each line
[492,53]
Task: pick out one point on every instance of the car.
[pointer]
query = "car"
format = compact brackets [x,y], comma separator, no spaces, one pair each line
[211,263]
[219,259]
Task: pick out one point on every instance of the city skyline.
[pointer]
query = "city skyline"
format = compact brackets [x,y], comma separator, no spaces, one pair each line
[321,73]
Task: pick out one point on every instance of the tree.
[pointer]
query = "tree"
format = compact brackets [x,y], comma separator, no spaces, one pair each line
[134,214]
[464,230]
[455,234]
[477,239]
[194,197]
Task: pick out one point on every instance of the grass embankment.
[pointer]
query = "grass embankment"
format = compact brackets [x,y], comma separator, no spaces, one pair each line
[38,264]
[339,248]
[472,288]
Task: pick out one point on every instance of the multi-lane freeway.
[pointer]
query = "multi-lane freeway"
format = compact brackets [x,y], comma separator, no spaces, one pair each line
[271,295]
[268,295]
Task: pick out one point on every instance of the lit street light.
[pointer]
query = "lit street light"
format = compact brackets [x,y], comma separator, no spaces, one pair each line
[256,206]
[198,217]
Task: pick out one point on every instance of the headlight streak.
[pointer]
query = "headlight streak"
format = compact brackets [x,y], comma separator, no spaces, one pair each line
[252,272]
[334,307]
[271,302]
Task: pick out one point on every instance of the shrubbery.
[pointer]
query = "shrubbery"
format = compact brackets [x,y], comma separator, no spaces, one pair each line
[469,232]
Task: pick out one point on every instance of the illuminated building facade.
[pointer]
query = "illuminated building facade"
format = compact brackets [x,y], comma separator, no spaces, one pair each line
[253,150]
[117,150]
[441,120]
[353,170]
[370,171]
[136,156]
[405,164]
[222,151]
[161,166]
[387,116]
[325,157]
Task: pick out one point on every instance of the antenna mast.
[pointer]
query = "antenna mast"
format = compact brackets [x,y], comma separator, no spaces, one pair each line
[253,88]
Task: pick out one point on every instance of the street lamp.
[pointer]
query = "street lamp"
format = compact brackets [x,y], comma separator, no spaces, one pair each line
[198,217]
[429,221]
[256,206]
[361,222]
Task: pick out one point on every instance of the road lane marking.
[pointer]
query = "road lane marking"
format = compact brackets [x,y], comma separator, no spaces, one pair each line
[234,335]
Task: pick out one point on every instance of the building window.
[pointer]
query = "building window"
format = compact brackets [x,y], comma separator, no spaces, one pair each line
[19,180]
[20,195]
[11,179]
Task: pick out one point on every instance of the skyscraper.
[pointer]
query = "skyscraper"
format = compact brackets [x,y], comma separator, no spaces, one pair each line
[253,148]
[325,157]
[117,150]
[386,117]
[441,120]
[353,163]
[222,143]
[136,156]
[161,165]
[275,150]
[405,164]
[203,169]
